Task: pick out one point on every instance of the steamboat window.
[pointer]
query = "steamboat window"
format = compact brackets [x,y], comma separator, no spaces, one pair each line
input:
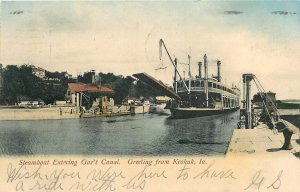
[197,84]
[214,85]
[192,83]
[209,84]
[202,83]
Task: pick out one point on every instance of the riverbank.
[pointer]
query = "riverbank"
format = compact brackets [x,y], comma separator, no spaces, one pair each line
[13,114]
[262,141]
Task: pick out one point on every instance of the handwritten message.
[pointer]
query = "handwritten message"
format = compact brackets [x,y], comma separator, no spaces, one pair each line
[109,175]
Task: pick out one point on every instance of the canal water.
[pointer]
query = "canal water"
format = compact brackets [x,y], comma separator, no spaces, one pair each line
[139,135]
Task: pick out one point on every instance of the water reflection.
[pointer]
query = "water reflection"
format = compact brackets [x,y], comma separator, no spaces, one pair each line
[203,135]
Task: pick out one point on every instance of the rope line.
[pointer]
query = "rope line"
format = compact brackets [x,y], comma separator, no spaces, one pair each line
[274,130]
[269,99]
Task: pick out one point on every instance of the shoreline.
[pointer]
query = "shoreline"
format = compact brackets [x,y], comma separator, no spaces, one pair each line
[51,113]
[14,113]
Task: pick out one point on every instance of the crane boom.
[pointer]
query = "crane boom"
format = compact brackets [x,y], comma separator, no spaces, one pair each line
[162,44]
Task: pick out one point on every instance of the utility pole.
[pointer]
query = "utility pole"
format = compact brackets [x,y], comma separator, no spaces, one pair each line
[175,75]
[247,78]
[190,76]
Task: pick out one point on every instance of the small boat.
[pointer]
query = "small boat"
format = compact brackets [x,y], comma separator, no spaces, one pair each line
[160,106]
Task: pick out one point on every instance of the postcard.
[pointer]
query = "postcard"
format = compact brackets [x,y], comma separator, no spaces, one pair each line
[149,96]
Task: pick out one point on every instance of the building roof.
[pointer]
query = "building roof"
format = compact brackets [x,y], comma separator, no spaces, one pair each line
[38,69]
[270,92]
[82,87]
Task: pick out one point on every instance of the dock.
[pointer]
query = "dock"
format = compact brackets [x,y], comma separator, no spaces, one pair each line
[93,115]
[262,140]
[45,113]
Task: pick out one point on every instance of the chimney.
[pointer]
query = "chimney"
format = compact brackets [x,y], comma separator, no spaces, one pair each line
[93,80]
[219,71]
[200,68]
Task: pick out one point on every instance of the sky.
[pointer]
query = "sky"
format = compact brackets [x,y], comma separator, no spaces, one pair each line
[259,37]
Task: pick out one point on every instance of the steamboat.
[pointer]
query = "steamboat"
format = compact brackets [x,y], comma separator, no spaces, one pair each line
[199,95]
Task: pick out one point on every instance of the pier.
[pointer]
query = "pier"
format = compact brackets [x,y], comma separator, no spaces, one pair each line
[269,132]
[262,141]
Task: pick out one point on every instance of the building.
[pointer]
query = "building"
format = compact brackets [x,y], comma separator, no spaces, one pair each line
[67,75]
[77,91]
[39,72]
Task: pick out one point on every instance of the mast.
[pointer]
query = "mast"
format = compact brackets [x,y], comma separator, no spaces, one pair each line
[206,80]
[50,47]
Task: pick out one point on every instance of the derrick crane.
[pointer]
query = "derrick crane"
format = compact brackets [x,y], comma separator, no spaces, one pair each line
[161,46]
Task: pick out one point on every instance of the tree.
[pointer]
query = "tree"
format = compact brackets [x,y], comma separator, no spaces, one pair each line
[121,89]
[259,97]
[86,77]
[21,82]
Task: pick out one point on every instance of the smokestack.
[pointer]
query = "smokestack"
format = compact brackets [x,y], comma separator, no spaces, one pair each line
[219,71]
[200,68]
[206,79]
